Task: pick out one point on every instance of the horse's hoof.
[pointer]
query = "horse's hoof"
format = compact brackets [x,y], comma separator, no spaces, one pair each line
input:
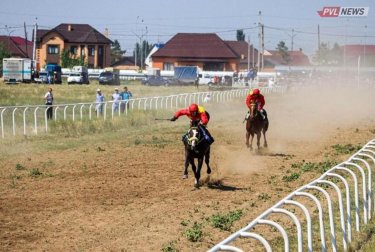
[209,171]
[185,176]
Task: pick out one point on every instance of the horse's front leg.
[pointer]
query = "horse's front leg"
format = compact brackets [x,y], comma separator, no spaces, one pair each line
[207,160]
[186,165]
[247,139]
[251,141]
[193,167]
[259,134]
[265,144]
[198,173]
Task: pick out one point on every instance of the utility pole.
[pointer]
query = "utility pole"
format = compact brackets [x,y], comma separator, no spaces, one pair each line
[318,37]
[9,32]
[24,27]
[34,45]
[262,47]
[248,53]
[260,39]
[364,47]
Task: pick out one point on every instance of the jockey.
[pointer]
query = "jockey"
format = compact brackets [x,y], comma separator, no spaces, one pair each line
[258,98]
[196,114]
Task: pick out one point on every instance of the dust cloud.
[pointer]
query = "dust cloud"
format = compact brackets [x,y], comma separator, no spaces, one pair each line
[299,119]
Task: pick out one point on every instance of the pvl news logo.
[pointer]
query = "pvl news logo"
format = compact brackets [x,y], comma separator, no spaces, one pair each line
[344,12]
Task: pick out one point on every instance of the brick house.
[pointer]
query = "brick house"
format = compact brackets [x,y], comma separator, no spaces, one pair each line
[81,40]
[205,50]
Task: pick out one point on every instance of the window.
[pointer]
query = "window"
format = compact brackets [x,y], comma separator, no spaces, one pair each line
[168,66]
[53,49]
[91,51]
[73,50]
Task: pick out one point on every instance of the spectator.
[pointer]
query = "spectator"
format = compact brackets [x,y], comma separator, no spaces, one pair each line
[49,78]
[48,97]
[125,96]
[116,97]
[99,102]
[207,98]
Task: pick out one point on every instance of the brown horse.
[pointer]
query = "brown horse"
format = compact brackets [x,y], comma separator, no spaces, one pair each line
[255,125]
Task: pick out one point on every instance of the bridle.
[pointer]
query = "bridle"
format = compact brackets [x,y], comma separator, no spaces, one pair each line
[193,141]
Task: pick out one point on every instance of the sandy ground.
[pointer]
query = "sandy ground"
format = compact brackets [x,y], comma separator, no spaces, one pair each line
[133,198]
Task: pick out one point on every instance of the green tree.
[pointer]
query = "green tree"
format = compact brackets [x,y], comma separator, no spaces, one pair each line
[68,60]
[116,52]
[283,51]
[141,51]
[240,35]
[4,53]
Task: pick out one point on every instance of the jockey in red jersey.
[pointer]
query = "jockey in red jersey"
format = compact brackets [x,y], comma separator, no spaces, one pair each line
[258,98]
[196,113]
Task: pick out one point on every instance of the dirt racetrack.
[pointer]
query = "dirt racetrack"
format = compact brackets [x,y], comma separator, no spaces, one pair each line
[125,192]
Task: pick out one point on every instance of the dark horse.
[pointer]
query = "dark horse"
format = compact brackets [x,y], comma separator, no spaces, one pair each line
[196,147]
[256,125]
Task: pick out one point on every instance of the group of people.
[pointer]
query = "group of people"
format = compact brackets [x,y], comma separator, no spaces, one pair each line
[117,98]
[201,116]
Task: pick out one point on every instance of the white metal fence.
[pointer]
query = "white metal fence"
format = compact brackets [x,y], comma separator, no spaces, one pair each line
[26,120]
[350,180]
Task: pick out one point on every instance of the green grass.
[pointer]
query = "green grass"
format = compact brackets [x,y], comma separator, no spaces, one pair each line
[195,233]
[32,94]
[225,222]
[346,149]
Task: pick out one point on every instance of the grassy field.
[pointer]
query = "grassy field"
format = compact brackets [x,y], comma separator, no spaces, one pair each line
[32,94]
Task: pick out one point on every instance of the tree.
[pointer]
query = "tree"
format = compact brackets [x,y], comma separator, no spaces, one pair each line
[68,60]
[116,52]
[240,35]
[141,52]
[336,54]
[283,51]
[4,53]
[328,56]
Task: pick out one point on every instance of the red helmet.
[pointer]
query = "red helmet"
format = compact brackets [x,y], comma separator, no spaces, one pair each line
[193,108]
[256,91]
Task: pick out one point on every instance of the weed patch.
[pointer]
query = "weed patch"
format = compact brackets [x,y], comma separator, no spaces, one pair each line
[195,233]
[225,222]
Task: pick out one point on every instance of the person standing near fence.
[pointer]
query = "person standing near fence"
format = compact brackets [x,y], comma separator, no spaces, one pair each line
[99,102]
[125,96]
[116,97]
[48,97]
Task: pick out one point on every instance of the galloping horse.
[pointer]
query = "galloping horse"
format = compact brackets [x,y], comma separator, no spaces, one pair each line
[256,125]
[196,147]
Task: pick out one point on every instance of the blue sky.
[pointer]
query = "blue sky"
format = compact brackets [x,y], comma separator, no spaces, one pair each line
[158,21]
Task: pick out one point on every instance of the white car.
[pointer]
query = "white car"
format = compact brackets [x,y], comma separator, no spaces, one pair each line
[76,77]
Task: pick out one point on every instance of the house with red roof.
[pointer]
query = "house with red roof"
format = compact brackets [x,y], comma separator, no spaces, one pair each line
[17,47]
[205,50]
[80,40]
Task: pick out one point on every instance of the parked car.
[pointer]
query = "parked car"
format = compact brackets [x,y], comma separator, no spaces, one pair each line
[43,77]
[154,80]
[109,78]
[79,78]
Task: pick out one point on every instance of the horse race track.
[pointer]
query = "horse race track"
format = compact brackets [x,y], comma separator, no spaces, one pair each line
[124,192]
